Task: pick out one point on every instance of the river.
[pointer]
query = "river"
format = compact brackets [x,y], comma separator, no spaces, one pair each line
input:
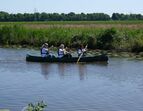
[116,86]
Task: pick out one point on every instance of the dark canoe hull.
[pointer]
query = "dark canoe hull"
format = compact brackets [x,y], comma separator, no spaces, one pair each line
[101,58]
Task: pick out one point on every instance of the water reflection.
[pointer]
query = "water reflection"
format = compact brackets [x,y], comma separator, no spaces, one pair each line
[45,70]
[82,71]
[51,69]
[61,69]
[66,69]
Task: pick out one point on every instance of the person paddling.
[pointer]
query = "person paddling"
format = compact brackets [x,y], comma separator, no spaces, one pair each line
[81,50]
[44,50]
[62,52]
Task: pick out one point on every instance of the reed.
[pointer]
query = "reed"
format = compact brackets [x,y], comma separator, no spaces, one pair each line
[126,36]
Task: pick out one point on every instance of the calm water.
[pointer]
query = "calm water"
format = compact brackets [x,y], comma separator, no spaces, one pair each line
[117,86]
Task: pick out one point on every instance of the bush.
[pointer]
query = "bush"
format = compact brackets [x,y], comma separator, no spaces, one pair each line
[92,42]
[105,40]
[121,39]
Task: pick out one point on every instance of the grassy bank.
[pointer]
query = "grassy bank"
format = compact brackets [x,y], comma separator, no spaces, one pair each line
[119,35]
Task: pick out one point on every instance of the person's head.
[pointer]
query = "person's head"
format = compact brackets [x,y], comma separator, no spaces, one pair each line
[80,46]
[62,46]
[45,44]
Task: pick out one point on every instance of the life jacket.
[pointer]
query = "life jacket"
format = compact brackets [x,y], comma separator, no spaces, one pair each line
[44,52]
[79,51]
[60,53]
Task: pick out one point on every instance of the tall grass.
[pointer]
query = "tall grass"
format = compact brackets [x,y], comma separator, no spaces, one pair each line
[117,38]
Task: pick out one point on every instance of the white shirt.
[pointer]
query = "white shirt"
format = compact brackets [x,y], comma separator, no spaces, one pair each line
[60,53]
[44,52]
[80,51]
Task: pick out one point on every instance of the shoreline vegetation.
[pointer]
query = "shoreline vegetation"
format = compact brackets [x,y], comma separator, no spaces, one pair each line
[90,52]
[118,36]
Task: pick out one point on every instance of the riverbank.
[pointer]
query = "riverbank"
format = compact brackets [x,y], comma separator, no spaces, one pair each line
[117,54]
[90,52]
[119,36]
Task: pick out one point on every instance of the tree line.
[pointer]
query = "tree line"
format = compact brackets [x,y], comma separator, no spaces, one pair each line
[4,17]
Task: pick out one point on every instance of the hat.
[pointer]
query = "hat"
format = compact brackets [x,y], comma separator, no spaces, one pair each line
[46,44]
[62,45]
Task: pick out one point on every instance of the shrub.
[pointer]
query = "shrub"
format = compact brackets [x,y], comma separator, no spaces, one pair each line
[106,39]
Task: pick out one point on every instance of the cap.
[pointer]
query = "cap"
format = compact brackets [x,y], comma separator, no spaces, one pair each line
[46,44]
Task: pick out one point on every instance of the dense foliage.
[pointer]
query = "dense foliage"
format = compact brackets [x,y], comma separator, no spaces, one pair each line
[124,36]
[117,16]
[4,16]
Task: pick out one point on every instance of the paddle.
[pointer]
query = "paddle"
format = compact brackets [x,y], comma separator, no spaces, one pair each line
[81,54]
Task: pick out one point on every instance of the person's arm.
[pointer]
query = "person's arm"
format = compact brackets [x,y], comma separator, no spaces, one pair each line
[65,52]
[83,50]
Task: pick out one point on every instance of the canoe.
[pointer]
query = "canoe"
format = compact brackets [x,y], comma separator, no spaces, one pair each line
[100,58]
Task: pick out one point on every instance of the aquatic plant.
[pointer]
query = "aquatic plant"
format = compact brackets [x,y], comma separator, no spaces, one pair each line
[36,107]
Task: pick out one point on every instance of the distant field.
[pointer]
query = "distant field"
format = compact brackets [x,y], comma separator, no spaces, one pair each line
[80,24]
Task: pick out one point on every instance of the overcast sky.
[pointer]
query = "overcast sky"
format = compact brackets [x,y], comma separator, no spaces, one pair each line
[77,6]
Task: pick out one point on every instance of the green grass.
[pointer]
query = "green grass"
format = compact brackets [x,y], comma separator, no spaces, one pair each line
[110,35]
[75,22]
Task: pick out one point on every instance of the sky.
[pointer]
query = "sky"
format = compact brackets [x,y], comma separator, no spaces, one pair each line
[77,6]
